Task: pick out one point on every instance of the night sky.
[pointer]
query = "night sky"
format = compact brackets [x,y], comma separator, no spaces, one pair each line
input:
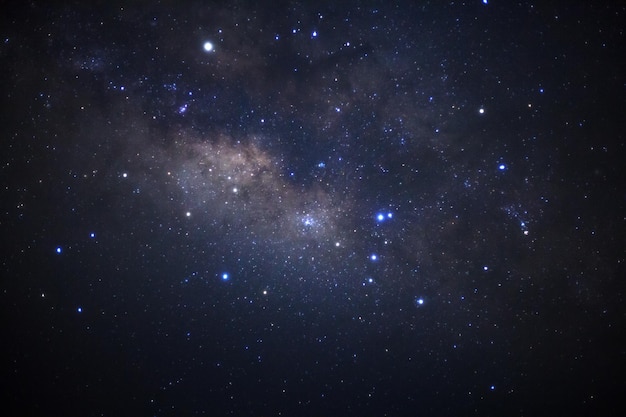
[313,208]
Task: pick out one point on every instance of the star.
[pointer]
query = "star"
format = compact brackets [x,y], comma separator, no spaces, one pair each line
[380,217]
[208,46]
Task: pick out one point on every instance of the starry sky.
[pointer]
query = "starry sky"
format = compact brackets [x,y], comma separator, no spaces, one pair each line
[313,208]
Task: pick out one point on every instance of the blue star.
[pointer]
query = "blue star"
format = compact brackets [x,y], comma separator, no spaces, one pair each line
[79,309]
[225,276]
[368,280]
[381,217]
[59,249]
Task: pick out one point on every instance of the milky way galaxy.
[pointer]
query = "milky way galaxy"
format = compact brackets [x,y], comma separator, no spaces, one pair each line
[313,209]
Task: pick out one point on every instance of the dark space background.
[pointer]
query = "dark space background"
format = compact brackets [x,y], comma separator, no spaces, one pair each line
[331,208]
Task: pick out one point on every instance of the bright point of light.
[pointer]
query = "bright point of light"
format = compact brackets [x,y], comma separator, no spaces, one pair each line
[208,46]
[188,214]
[124,175]
[420,301]
[59,249]
[501,167]
[235,190]
[79,309]
[485,1]
[492,387]
[374,257]
[314,34]
[382,216]
[92,235]
[481,111]
[225,276]
[485,268]
[370,280]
